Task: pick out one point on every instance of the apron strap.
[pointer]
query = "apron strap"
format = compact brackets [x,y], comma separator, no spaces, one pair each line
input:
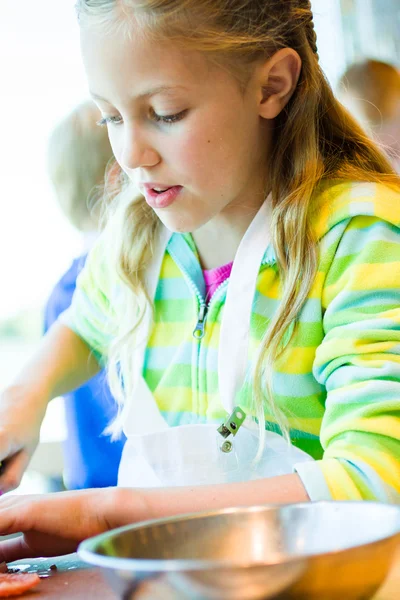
[235,326]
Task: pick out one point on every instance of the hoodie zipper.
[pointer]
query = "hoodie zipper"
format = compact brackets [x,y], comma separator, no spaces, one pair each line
[204,307]
[198,331]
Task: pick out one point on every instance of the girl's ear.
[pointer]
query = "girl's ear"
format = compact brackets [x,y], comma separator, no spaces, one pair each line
[277,80]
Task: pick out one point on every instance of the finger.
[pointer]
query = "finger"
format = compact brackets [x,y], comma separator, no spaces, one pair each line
[14,468]
[14,549]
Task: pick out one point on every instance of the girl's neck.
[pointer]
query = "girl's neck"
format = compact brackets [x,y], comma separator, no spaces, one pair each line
[218,240]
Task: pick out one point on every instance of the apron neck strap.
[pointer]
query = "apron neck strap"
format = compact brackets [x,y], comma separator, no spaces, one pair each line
[235,327]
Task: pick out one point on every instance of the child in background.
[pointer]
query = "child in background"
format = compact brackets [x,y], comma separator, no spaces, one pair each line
[78,154]
[371,91]
[284,386]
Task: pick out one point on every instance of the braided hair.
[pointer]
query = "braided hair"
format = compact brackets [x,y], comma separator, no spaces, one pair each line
[310,27]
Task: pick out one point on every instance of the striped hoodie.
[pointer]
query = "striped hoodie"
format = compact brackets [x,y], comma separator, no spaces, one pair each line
[338,380]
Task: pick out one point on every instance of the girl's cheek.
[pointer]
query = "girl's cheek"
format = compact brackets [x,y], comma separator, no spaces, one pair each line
[195,148]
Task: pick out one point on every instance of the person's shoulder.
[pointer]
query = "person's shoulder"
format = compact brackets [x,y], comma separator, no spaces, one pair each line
[339,201]
[100,261]
[61,295]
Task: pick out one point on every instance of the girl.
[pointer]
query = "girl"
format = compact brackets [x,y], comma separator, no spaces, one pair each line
[219,114]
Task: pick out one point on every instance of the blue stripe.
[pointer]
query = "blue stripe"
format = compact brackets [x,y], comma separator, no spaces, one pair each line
[266,307]
[161,358]
[175,288]
[181,252]
[376,330]
[297,386]
[378,381]
[366,299]
[354,243]
[381,490]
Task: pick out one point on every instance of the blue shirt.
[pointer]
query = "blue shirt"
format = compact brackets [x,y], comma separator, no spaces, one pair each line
[91,459]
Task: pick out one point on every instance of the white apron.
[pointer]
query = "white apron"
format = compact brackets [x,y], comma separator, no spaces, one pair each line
[157,455]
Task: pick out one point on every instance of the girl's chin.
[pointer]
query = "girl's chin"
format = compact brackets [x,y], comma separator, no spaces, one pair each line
[180,223]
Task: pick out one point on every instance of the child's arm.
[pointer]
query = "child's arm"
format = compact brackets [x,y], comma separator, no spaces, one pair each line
[62,363]
[172,501]
[55,524]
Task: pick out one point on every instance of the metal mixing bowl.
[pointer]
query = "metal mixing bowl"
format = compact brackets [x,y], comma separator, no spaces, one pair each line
[314,551]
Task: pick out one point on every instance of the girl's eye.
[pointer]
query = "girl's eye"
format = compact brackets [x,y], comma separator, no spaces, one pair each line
[109,121]
[168,119]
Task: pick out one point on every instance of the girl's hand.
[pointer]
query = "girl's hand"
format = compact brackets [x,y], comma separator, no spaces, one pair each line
[20,421]
[55,524]
[62,362]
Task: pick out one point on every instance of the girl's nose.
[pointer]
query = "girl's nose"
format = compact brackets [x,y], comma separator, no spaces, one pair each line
[138,153]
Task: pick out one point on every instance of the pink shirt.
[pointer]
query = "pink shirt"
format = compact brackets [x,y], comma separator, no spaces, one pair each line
[214,277]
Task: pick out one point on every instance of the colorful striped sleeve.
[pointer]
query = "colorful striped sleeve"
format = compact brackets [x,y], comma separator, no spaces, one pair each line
[92,312]
[358,362]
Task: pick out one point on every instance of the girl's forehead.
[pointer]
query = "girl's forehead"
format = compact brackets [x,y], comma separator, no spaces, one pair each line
[136,58]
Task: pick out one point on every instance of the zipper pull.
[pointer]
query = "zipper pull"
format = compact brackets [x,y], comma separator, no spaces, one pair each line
[198,331]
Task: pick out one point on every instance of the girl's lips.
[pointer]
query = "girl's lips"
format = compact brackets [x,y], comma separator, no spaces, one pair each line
[162,199]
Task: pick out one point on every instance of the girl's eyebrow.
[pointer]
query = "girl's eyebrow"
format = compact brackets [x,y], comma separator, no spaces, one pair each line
[161,89]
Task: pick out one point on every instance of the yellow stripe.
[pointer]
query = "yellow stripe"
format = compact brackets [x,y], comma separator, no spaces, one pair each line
[170,334]
[315,291]
[169,269]
[366,276]
[268,284]
[376,361]
[340,484]
[376,276]
[385,465]
[178,399]
[387,425]
[296,361]
[344,346]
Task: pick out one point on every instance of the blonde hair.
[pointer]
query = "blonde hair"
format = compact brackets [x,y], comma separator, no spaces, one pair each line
[376,85]
[314,139]
[78,154]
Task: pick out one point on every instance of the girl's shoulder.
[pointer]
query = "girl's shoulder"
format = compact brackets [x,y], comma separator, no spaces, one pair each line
[338,201]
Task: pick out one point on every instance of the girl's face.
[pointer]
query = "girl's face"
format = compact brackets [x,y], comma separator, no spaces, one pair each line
[179,123]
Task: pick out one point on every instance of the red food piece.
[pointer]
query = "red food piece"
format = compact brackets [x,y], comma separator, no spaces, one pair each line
[15,584]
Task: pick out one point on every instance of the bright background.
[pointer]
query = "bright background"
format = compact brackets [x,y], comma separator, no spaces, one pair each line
[42,79]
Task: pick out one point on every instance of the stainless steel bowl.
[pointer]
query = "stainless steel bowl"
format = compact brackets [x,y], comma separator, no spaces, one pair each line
[320,551]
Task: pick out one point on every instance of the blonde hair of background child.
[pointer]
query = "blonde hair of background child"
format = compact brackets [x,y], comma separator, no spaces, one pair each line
[315,139]
[78,154]
[376,85]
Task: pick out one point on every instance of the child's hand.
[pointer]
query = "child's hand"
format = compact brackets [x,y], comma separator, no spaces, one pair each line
[55,524]
[20,422]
